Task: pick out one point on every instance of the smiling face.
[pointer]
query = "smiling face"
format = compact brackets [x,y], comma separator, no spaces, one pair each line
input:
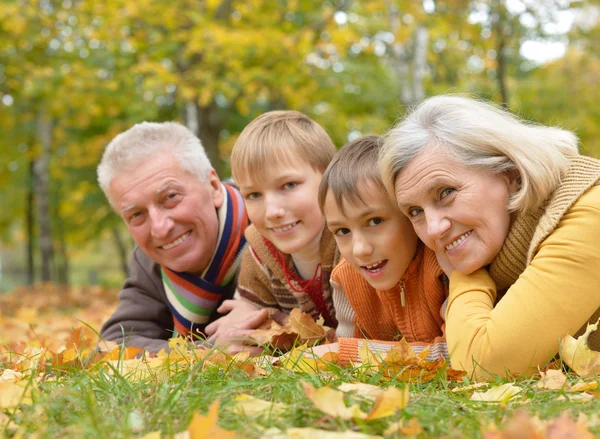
[171,215]
[283,204]
[375,238]
[457,211]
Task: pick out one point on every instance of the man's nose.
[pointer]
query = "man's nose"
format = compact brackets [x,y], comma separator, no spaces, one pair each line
[161,223]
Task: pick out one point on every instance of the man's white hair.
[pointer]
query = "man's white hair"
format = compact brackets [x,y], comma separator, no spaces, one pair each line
[143,141]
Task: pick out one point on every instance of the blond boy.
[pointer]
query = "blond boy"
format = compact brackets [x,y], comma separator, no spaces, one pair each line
[278,162]
[393,283]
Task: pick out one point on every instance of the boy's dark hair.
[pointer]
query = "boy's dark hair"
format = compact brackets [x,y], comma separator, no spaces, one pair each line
[355,164]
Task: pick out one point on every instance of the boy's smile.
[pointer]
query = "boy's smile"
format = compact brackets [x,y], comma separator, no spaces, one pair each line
[283,206]
[375,239]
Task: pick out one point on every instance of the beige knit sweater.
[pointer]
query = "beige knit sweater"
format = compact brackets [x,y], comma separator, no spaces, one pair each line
[530,230]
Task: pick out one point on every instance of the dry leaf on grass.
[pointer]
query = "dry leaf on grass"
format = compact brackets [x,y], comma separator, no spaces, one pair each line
[250,406]
[14,393]
[576,397]
[521,426]
[314,433]
[552,380]
[578,356]
[299,328]
[501,394]
[410,428]
[11,375]
[403,363]
[206,427]
[582,386]
[331,402]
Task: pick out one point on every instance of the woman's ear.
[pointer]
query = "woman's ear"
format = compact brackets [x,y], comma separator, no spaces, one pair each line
[513,180]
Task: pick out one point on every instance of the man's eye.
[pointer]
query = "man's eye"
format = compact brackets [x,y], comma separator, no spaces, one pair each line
[342,231]
[375,221]
[290,185]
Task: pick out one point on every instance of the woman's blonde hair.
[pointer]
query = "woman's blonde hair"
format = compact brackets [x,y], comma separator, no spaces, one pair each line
[484,136]
[274,138]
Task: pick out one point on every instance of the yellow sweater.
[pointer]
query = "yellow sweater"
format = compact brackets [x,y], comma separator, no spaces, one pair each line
[554,296]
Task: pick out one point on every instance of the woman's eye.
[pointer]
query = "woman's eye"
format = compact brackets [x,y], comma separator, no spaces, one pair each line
[446,192]
[413,212]
[290,185]
[342,231]
[375,221]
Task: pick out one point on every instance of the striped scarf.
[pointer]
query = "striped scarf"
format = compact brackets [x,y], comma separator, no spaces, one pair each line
[192,298]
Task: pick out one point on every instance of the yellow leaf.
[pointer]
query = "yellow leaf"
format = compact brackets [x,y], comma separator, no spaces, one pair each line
[206,427]
[331,402]
[315,433]
[11,375]
[12,394]
[501,394]
[249,406]
[578,356]
[152,435]
[582,386]
[389,402]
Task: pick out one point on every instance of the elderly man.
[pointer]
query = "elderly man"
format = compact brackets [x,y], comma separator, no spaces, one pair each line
[189,230]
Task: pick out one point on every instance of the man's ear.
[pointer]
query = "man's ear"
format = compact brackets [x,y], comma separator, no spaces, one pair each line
[216,188]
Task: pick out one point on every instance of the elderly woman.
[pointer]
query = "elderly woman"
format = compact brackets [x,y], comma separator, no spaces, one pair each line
[513,213]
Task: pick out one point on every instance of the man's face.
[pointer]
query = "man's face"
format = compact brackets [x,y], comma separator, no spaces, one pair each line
[170,213]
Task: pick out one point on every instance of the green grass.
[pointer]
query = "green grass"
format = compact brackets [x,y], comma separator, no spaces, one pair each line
[100,404]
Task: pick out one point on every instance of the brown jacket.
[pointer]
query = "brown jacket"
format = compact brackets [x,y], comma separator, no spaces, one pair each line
[143,317]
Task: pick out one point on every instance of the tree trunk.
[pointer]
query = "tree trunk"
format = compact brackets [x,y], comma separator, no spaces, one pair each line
[62,266]
[501,69]
[29,219]
[206,124]
[42,183]
[419,63]
[121,250]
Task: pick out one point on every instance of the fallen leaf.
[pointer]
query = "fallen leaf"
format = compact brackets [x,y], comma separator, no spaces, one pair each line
[520,426]
[410,428]
[314,433]
[564,427]
[206,427]
[299,328]
[552,380]
[152,435]
[582,386]
[576,397]
[578,356]
[11,375]
[331,402]
[14,393]
[501,394]
[365,390]
[250,406]
[470,387]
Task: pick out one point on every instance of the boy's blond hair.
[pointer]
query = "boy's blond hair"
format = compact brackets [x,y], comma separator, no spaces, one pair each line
[271,137]
[354,165]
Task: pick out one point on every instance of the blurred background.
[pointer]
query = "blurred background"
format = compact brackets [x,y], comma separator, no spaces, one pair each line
[74,73]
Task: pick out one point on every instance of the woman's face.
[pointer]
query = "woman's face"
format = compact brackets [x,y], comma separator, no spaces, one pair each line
[459,212]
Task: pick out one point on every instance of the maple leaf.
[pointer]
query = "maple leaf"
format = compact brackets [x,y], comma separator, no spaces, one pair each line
[578,356]
[14,393]
[299,327]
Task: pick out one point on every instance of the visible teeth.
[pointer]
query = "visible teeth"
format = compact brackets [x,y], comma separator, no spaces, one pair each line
[176,242]
[284,228]
[375,267]
[458,241]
